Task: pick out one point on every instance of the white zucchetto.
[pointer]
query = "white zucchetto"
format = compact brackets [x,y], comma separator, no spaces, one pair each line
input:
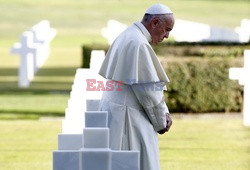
[158,9]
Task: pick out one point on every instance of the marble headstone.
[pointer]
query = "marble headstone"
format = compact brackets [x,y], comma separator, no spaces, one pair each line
[242,74]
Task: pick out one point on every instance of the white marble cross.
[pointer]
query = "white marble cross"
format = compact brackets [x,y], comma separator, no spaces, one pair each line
[34,49]
[27,50]
[242,74]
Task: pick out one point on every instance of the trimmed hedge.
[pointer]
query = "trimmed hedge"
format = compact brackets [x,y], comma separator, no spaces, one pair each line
[201,49]
[199,75]
[203,85]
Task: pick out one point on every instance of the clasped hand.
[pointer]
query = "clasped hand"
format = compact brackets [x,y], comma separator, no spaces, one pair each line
[169,124]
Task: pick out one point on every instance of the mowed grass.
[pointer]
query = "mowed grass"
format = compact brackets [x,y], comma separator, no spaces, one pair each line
[193,143]
[206,142]
[27,145]
[80,22]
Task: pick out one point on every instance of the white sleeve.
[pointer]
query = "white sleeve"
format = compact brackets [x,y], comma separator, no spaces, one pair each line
[151,97]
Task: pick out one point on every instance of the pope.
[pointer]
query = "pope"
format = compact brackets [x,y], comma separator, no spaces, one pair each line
[137,113]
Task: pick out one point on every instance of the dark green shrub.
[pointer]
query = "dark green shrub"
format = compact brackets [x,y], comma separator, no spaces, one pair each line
[202,85]
[201,49]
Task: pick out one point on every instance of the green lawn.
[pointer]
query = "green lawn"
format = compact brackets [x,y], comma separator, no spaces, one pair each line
[193,143]
[27,145]
[81,21]
[206,143]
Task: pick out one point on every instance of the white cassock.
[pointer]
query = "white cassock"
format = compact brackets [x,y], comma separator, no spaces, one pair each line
[137,111]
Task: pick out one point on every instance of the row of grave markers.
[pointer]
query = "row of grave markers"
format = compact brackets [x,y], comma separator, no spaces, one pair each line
[189,31]
[89,150]
[34,45]
[34,49]
[84,141]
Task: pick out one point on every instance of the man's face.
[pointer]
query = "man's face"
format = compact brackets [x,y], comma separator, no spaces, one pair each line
[161,28]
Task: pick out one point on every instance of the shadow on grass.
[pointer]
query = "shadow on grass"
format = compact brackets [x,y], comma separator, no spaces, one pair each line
[36,88]
[19,114]
[46,80]
[57,71]
[53,71]
[51,87]
[8,71]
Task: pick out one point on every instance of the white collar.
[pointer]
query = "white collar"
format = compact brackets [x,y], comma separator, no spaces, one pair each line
[143,30]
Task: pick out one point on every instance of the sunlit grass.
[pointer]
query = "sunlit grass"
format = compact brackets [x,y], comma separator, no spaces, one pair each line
[194,142]
[206,143]
[27,144]
[80,22]
[32,106]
